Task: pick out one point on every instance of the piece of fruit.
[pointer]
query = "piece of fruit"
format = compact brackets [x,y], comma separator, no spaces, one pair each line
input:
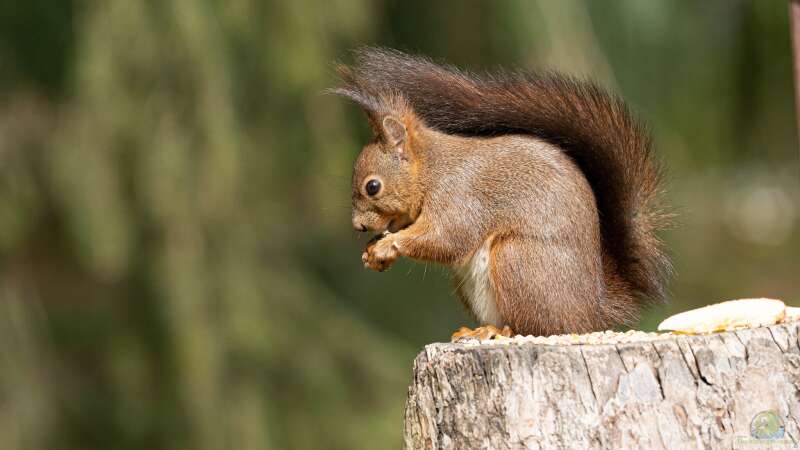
[730,315]
[792,313]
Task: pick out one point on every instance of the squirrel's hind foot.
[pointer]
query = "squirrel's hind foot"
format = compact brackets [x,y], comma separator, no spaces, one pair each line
[483,333]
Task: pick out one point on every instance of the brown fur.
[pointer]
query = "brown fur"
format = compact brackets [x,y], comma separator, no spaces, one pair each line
[554,171]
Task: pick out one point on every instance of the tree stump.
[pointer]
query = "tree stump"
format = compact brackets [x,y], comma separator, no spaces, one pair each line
[738,389]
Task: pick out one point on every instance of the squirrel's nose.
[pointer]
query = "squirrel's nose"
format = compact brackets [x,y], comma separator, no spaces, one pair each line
[359,226]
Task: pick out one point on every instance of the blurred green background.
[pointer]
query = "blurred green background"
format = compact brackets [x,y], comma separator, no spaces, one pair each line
[177,264]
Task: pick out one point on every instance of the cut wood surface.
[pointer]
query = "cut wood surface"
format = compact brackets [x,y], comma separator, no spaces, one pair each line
[671,392]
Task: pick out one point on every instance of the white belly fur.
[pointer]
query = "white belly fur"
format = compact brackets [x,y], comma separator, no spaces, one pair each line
[475,283]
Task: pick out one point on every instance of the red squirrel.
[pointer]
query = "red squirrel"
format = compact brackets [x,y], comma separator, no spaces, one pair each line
[541,192]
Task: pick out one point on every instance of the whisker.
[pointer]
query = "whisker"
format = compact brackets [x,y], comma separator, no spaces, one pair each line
[461,282]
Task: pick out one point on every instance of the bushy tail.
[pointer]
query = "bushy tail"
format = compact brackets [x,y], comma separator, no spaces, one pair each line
[594,128]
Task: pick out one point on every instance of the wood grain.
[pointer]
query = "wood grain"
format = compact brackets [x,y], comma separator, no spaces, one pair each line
[686,392]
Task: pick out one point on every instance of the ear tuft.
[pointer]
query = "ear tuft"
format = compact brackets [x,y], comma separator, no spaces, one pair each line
[388,112]
[393,130]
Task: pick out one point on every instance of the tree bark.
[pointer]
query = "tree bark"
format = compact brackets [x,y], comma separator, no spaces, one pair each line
[673,392]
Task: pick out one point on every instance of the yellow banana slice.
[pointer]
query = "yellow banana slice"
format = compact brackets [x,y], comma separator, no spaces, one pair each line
[730,315]
[792,313]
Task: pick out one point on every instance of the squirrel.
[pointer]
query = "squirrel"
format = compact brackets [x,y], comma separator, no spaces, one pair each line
[540,191]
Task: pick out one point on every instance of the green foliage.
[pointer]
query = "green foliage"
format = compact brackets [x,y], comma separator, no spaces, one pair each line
[177,266]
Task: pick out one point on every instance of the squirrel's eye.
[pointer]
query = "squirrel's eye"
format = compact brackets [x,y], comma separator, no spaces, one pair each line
[373,187]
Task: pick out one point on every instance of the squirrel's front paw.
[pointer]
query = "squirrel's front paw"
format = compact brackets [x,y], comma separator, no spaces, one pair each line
[381,254]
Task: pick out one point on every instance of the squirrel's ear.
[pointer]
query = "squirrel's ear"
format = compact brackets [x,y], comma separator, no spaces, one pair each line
[393,131]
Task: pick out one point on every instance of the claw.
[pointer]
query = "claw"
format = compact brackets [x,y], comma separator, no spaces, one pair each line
[483,333]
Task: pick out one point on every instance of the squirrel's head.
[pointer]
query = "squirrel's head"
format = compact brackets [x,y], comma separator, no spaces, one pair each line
[386,192]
